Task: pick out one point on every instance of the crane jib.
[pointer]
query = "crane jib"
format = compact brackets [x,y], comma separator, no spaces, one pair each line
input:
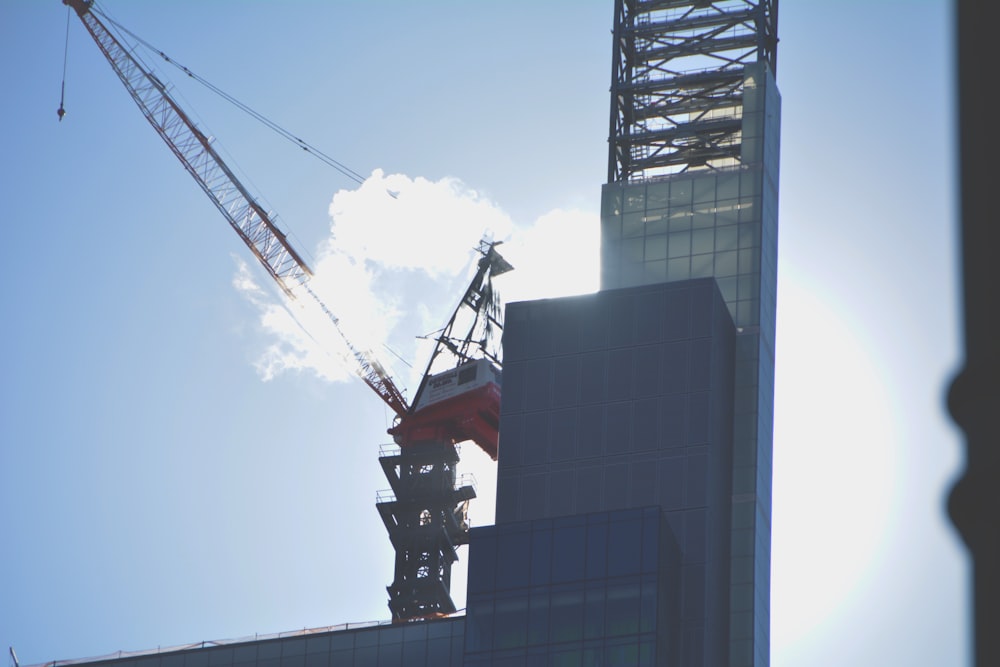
[250,221]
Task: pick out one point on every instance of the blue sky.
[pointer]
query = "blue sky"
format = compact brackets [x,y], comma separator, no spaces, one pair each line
[155,490]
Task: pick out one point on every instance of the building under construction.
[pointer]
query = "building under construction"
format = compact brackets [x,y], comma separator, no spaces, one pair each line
[634,455]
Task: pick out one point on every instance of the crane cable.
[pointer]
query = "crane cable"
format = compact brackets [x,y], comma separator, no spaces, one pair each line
[264,120]
[61,111]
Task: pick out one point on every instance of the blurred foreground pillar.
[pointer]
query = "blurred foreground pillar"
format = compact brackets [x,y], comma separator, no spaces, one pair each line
[974,397]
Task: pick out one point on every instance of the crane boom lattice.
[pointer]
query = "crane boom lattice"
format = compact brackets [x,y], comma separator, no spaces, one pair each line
[252,223]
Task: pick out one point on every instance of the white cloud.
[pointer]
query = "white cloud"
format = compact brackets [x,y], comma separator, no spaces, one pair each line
[395,266]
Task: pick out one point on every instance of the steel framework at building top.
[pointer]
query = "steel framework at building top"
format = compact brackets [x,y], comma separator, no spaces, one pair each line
[676,88]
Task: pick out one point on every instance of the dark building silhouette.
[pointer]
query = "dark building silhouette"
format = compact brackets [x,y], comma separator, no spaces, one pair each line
[634,480]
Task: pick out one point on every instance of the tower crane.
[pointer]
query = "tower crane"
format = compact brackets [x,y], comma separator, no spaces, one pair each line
[459,395]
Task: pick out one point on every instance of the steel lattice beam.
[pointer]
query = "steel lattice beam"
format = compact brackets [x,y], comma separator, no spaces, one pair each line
[678,67]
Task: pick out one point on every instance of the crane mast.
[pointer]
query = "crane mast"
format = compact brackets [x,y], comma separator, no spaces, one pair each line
[426,511]
[251,222]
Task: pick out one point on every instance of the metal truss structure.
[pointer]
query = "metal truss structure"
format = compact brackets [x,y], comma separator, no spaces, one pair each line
[255,226]
[677,83]
[426,516]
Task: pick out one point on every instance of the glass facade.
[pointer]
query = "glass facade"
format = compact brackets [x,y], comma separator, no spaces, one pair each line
[723,224]
[620,400]
[582,590]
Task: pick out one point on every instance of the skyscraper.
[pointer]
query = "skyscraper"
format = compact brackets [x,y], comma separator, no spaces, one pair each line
[657,392]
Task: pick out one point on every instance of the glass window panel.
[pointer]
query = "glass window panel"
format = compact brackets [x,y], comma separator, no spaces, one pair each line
[747,313]
[656,247]
[646,424]
[726,264]
[648,370]
[478,626]
[671,487]
[565,381]
[538,618]
[700,365]
[197,660]
[654,272]
[541,553]
[727,185]
[566,616]
[657,195]
[651,541]
[696,482]
[750,209]
[616,486]
[593,377]
[635,199]
[642,485]
[748,262]
[293,660]
[246,653]
[703,220]
[317,659]
[270,650]
[702,241]
[679,269]
[674,420]
[680,192]
[728,287]
[620,374]
[748,289]
[295,647]
[701,267]
[726,238]
[656,223]
[749,235]
[512,566]
[318,645]
[593,617]
[482,560]
[588,484]
[632,250]
[698,418]
[680,244]
[510,622]
[693,591]
[390,635]
[569,548]
[439,651]
[597,548]
[647,608]
[591,431]
[415,632]
[366,656]
[704,189]
[680,221]
[624,545]
[571,657]
[535,445]
[727,212]
[632,225]
[749,182]
[623,609]
[619,427]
